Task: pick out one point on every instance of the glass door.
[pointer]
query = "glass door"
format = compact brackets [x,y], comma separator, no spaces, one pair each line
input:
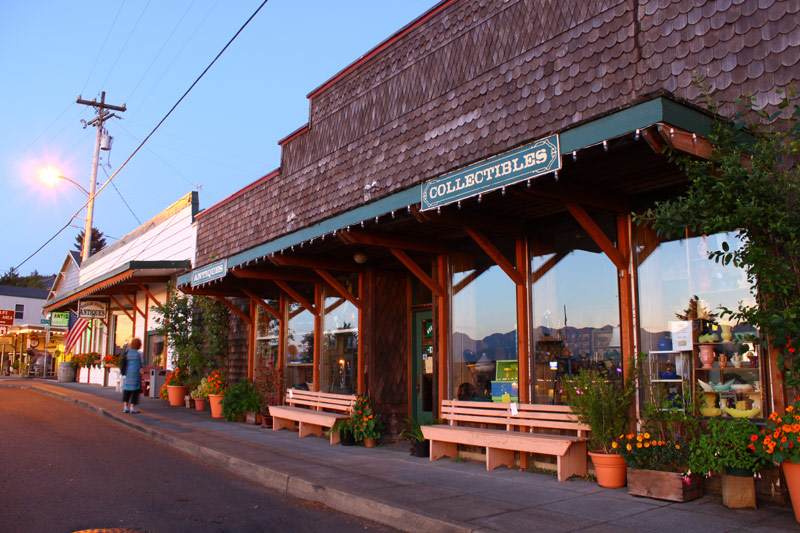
[422,366]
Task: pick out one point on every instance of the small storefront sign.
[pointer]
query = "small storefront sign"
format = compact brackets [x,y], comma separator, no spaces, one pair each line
[211,272]
[4,330]
[6,317]
[526,162]
[92,309]
[59,319]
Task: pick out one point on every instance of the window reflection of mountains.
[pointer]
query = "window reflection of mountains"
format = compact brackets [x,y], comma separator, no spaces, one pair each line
[569,341]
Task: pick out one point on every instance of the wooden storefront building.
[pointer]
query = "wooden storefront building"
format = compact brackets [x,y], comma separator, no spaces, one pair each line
[417,245]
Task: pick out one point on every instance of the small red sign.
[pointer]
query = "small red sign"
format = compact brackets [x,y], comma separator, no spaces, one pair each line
[4,330]
[6,317]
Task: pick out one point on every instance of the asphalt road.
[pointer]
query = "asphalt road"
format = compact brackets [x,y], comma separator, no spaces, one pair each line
[65,469]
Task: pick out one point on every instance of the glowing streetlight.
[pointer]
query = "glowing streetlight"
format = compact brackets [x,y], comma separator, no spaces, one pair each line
[51,176]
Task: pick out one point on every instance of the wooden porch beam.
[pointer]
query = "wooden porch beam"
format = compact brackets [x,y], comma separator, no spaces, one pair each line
[415,269]
[241,314]
[495,254]
[334,305]
[583,195]
[371,238]
[313,263]
[503,226]
[119,305]
[597,235]
[547,266]
[297,298]
[288,275]
[145,290]
[133,303]
[682,140]
[264,305]
[338,287]
[469,278]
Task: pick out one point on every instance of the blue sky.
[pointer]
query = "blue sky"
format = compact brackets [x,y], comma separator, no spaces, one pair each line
[146,54]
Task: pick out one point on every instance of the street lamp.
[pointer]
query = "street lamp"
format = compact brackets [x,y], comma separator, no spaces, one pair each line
[51,176]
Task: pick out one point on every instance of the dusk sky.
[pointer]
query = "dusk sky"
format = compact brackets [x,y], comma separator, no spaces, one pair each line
[146,54]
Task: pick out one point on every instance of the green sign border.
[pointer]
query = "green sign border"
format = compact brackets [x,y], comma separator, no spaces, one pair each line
[522,163]
[64,319]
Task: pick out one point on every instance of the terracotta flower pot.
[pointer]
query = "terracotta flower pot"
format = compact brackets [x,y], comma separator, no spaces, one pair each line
[610,469]
[792,473]
[370,443]
[200,404]
[176,394]
[707,355]
[215,401]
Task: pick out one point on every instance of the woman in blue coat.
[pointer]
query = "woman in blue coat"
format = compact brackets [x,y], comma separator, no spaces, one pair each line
[133,377]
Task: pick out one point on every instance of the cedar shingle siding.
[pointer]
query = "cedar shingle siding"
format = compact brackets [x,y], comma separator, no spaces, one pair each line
[478,77]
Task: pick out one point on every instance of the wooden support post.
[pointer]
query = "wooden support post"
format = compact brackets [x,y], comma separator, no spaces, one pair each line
[361,333]
[443,327]
[251,344]
[318,327]
[283,325]
[627,326]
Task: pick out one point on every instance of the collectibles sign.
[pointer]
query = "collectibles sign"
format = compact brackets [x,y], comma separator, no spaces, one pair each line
[6,317]
[92,309]
[525,162]
[211,272]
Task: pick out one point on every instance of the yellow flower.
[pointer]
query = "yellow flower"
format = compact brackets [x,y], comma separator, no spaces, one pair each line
[647,435]
[646,444]
[628,447]
[614,445]
[639,438]
[677,446]
[630,436]
[638,444]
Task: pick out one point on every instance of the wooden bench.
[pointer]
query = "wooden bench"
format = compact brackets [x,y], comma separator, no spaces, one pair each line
[530,430]
[312,411]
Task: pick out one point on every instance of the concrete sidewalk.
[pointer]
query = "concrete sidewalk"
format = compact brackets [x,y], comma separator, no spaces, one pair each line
[389,486]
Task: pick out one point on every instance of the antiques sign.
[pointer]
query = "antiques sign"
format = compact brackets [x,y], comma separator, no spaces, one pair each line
[92,309]
[59,319]
[211,272]
[526,162]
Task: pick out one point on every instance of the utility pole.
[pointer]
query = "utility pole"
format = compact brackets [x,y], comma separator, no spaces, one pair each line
[102,116]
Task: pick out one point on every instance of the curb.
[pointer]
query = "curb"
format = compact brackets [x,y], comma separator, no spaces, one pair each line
[290,485]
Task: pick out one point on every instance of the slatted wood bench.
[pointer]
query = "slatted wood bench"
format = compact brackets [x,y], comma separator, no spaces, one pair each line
[312,411]
[520,432]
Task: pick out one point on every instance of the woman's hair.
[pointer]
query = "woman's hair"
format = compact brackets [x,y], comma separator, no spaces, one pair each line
[136,343]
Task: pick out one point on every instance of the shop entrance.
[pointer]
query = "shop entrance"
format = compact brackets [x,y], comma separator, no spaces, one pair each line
[422,366]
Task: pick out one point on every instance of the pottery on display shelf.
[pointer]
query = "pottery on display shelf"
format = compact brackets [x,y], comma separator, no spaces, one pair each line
[707,355]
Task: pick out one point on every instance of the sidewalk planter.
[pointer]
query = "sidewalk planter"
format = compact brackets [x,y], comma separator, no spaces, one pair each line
[177,394]
[215,401]
[200,404]
[791,472]
[251,417]
[670,486]
[66,372]
[738,489]
[370,443]
[610,469]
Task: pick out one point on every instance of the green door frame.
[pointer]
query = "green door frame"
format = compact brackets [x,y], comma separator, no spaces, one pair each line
[422,359]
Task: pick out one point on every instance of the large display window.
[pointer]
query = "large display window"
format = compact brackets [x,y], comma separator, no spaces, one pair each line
[299,371]
[484,325]
[265,370]
[339,354]
[690,341]
[574,311]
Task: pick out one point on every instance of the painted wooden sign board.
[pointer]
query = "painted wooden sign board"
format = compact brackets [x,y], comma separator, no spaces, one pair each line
[522,163]
[210,272]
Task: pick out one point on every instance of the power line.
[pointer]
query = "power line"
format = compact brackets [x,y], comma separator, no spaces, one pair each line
[124,46]
[103,47]
[123,199]
[196,81]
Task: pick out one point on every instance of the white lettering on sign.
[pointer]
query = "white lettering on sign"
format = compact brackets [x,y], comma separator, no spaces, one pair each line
[7,317]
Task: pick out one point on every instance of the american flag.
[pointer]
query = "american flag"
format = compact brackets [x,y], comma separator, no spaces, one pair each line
[75,328]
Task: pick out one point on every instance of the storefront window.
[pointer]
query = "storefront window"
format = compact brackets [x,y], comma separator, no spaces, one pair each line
[682,295]
[484,342]
[575,312]
[123,332]
[340,341]
[266,377]
[299,348]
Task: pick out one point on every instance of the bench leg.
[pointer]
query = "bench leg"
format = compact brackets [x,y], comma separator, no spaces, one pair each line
[496,457]
[281,423]
[443,449]
[572,463]
[335,437]
[307,429]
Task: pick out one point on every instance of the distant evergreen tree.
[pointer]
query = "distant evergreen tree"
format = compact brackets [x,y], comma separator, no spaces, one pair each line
[98,241]
[34,280]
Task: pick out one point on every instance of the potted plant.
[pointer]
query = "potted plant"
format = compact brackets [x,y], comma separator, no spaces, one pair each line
[200,394]
[420,446]
[365,425]
[175,387]
[658,455]
[603,404]
[345,429]
[779,442]
[240,399]
[724,448]
[216,392]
